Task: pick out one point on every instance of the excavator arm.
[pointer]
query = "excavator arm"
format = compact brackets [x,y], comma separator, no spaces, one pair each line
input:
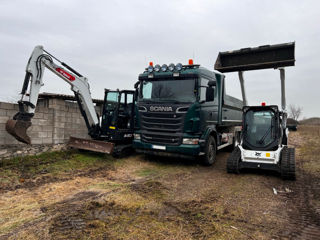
[39,60]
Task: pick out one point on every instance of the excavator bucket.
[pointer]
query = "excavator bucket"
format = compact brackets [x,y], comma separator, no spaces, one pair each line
[18,129]
[91,145]
[267,56]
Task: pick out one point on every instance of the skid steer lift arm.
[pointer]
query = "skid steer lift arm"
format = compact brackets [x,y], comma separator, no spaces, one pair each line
[39,60]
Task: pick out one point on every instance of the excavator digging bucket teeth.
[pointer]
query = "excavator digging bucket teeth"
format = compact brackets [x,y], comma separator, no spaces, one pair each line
[18,129]
[91,145]
[267,56]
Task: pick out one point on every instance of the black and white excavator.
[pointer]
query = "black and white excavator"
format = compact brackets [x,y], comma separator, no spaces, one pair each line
[112,133]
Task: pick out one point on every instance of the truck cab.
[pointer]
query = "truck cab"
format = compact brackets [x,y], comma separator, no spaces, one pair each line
[183,111]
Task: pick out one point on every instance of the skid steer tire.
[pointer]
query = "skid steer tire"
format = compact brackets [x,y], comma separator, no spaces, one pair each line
[288,164]
[233,161]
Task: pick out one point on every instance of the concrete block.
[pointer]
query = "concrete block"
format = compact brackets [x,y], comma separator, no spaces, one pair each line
[47,140]
[3,112]
[11,112]
[35,121]
[8,106]
[36,141]
[50,134]
[43,122]
[57,141]
[2,127]
[38,115]
[4,119]
[59,124]
[43,134]
[75,115]
[35,128]
[48,128]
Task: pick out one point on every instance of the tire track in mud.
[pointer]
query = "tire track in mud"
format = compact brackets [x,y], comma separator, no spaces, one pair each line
[304,220]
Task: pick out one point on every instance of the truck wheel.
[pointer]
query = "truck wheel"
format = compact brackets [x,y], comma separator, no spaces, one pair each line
[233,161]
[210,152]
[288,164]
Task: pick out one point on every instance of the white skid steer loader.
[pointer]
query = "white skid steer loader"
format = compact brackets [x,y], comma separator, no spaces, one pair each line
[263,143]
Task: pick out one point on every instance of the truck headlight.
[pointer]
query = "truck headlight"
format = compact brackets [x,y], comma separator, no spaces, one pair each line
[193,141]
[136,136]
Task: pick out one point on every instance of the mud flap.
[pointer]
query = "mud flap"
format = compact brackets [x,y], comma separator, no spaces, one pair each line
[91,145]
[18,129]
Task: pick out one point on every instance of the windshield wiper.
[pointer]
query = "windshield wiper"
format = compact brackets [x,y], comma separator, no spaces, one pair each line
[261,141]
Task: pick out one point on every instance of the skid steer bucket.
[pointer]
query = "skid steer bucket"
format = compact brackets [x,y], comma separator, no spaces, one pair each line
[267,56]
[91,145]
[18,129]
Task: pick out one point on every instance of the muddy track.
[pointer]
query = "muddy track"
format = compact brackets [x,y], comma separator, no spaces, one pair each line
[33,183]
[304,220]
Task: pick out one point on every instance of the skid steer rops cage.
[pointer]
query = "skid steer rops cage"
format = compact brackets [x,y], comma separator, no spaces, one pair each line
[263,142]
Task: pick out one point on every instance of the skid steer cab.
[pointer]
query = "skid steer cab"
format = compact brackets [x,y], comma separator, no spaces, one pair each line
[263,142]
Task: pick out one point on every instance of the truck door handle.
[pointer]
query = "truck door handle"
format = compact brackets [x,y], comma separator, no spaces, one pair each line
[225,110]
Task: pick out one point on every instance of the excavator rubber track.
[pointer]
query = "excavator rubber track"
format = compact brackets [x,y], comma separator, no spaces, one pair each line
[91,145]
[18,129]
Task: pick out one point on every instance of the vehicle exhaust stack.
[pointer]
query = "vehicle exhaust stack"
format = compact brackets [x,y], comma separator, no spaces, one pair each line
[18,129]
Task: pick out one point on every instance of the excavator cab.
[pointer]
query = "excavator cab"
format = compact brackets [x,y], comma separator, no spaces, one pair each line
[118,115]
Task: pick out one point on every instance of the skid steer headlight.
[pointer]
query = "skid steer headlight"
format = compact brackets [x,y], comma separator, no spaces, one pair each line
[193,141]
[136,136]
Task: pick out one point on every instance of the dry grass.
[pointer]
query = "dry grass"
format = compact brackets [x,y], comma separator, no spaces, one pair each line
[94,197]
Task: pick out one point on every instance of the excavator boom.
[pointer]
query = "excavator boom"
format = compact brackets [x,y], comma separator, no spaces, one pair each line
[39,60]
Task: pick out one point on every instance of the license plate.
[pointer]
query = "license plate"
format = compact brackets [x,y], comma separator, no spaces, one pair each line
[159,147]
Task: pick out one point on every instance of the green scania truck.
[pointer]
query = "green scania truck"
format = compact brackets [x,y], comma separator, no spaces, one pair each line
[184,111]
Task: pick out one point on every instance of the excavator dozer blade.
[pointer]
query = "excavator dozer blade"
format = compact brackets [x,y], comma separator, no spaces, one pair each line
[263,57]
[91,145]
[18,129]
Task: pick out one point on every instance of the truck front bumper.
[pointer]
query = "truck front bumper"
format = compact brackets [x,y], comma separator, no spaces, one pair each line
[182,150]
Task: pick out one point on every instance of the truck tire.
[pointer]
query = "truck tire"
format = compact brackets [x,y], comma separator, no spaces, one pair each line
[233,161]
[288,164]
[210,152]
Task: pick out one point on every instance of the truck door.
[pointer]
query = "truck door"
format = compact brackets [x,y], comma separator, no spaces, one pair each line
[209,112]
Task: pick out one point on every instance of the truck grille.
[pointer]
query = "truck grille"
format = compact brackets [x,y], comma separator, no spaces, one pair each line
[162,128]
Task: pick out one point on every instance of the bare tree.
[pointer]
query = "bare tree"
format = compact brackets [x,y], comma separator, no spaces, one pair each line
[295,111]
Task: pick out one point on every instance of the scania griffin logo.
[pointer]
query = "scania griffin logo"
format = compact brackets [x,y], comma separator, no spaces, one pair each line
[160,109]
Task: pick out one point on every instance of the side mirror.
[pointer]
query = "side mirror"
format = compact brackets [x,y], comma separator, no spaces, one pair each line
[210,94]
[136,85]
[137,91]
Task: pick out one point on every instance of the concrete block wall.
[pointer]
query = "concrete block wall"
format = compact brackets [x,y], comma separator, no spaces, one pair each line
[54,122]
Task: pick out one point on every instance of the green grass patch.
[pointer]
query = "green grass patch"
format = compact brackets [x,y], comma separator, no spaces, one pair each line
[51,164]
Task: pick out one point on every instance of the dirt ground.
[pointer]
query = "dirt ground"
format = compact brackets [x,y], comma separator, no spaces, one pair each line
[74,195]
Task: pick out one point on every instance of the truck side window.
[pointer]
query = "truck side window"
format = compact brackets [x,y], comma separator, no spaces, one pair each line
[203,88]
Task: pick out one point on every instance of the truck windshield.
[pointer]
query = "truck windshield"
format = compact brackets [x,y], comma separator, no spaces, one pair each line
[259,128]
[168,90]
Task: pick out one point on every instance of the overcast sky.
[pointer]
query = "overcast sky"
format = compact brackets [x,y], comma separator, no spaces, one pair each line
[111,42]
